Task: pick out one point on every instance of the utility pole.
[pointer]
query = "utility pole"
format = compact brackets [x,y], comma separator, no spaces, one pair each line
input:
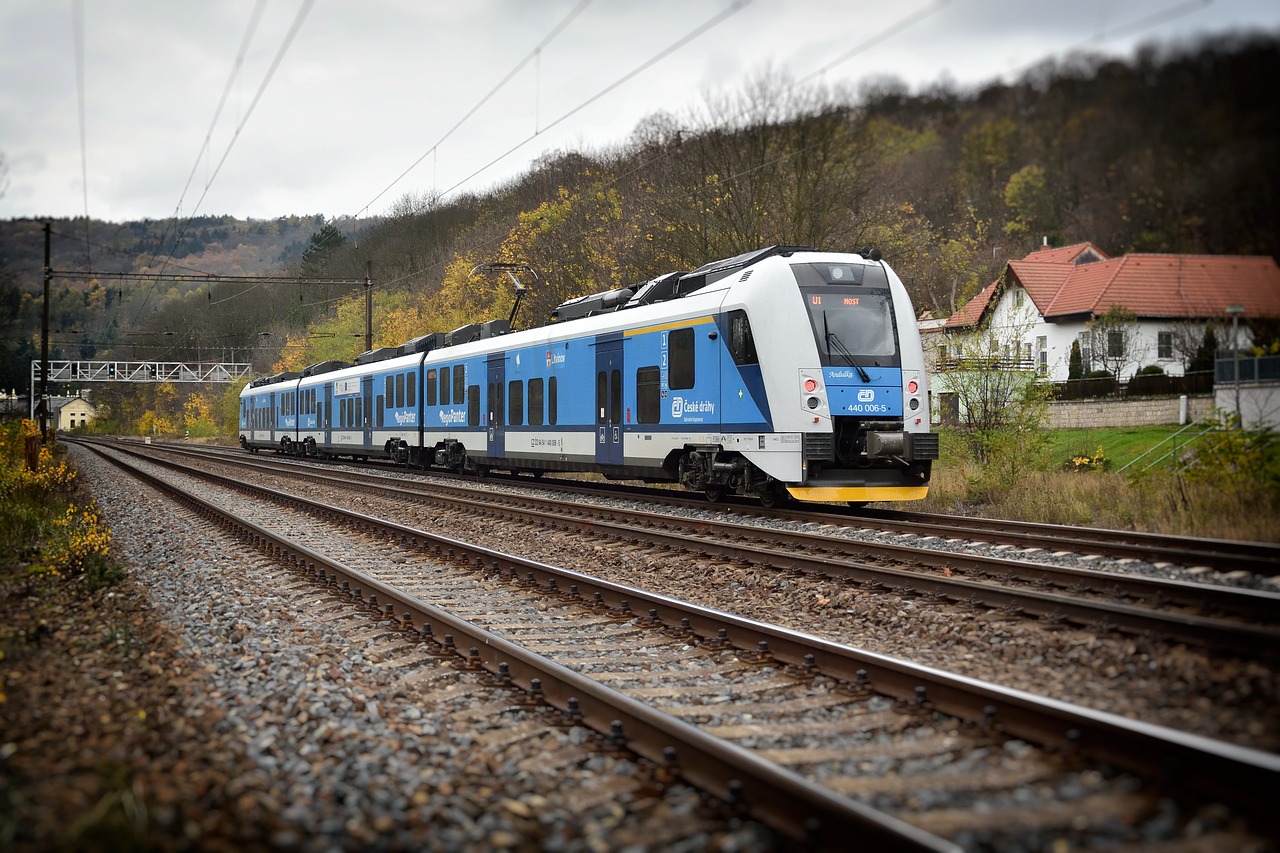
[368,306]
[44,336]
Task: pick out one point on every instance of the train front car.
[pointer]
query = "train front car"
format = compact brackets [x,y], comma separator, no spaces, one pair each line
[845,370]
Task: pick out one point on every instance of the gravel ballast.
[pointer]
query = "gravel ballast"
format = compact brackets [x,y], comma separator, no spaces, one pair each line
[200,704]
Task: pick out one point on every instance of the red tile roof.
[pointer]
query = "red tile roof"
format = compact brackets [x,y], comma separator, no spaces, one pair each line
[1068,254]
[972,312]
[1183,286]
[1165,286]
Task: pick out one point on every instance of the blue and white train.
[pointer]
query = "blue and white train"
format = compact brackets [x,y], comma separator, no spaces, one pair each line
[785,372]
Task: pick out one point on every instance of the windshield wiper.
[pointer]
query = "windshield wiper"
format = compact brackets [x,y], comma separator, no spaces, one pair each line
[840,348]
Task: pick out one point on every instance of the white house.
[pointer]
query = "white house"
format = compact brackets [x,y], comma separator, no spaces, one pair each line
[72,412]
[1044,302]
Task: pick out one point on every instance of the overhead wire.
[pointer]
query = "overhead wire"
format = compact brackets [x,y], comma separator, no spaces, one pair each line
[717,19]
[77,15]
[701,29]
[254,18]
[533,54]
[298,20]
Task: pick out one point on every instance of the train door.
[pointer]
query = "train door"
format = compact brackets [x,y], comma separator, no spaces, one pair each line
[325,414]
[609,412]
[365,416]
[274,418]
[496,392]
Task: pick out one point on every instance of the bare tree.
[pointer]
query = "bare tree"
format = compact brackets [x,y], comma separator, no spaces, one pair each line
[1115,341]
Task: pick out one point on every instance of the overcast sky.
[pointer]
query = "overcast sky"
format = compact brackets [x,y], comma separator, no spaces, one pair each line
[366,89]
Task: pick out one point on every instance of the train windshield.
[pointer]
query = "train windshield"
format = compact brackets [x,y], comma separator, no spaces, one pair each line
[851,310]
[853,326]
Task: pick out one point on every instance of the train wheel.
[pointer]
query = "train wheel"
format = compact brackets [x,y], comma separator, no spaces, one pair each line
[715,494]
[774,494]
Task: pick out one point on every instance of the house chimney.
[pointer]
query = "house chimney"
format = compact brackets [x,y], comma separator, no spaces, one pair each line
[1046,241]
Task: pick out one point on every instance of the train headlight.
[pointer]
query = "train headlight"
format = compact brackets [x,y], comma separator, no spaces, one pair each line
[810,386]
[913,404]
[813,402]
[912,387]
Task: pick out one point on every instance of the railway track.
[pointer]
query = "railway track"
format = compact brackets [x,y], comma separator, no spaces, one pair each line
[1239,560]
[872,728]
[1229,618]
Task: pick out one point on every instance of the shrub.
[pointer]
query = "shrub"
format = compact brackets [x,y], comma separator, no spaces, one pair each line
[44,530]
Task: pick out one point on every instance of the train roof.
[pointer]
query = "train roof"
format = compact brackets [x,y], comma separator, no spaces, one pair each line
[472,338]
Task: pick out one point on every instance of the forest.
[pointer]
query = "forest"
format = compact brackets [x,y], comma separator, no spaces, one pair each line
[1174,149]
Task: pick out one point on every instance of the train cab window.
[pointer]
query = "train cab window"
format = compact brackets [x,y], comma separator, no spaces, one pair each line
[649,395]
[536,402]
[444,387]
[400,391]
[552,400]
[431,387]
[459,382]
[473,405]
[411,390]
[680,350]
[515,403]
[742,346]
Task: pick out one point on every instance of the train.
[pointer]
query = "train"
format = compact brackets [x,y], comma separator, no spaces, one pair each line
[783,373]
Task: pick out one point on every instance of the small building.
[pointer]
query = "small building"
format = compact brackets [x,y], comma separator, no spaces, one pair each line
[72,412]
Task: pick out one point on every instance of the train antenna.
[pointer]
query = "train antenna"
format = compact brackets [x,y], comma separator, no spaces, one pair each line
[510,270]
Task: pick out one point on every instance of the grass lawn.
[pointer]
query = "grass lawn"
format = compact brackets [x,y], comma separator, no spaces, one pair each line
[1120,445]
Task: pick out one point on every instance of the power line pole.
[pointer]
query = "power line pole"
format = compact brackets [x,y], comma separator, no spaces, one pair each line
[44,335]
[368,306]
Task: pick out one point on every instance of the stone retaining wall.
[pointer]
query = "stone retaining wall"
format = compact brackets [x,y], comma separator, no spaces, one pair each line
[1142,411]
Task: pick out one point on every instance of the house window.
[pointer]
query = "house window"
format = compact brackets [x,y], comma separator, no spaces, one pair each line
[1115,344]
[1086,350]
[1017,297]
[1042,359]
[1164,345]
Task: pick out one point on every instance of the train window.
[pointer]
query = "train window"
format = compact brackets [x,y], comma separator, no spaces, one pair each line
[342,413]
[400,391]
[459,382]
[615,397]
[386,391]
[742,346]
[602,397]
[473,405]
[431,387]
[536,403]
[368,415]
[515,403]
[411,390]
[680,350]
[496,392]
[444,387]
[380,408]
[649,395]
[552,400]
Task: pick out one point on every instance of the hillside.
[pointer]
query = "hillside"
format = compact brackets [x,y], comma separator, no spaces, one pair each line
[1174,150]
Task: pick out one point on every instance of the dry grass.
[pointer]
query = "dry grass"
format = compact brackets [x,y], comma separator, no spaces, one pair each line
[1163,502]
